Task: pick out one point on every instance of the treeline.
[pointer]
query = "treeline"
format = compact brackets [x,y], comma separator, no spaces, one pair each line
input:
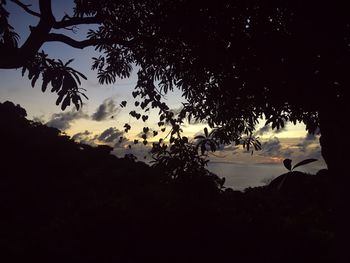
[65,201]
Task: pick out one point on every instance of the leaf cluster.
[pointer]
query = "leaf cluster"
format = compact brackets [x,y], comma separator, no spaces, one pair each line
[64,80]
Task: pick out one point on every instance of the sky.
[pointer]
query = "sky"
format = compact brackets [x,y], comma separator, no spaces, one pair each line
[101,119]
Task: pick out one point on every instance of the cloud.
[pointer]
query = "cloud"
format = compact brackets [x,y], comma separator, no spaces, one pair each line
[40,119]
[273,147]
[263,130]
[307,148]
[315,153]
[176,111]
[63,120]
[110,135]
[85,138]
[268,128]
[307,141]
[106,110]
[140,151]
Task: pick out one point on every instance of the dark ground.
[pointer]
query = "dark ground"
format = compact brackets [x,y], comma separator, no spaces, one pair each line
[62,201]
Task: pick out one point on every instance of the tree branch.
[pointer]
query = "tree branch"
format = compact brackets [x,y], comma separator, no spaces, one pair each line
[25,8]
[52,37]
[76,21]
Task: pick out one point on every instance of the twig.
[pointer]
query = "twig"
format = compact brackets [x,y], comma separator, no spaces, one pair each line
[26,8]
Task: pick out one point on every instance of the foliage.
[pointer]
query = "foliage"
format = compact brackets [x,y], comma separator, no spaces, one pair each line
[61,199]
[288,163]
[181,162]
[65,81]
[234,62]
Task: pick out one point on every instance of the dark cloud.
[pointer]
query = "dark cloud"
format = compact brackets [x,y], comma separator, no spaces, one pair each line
[232,148]
[85,138]
[315,153]
[268,128]
[62,121]
[280,130]
[110,135]
[309,139]
[263,130]
[140,151]
[106,110]
[273,147]
[149,133]
[40,119]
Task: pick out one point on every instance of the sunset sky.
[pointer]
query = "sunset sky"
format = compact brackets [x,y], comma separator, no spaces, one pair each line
[101,120]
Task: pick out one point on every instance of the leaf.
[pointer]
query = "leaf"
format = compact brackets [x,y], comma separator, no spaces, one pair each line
[56,83]
[23,71]
[80,74]
[203,149]
[59,99]
[65,103]
[206,132]
[76,77]
[44,86]
[135,93]
[306,161]
[68,62]
[212,147]
[123,104]
[288,164]
[35,78]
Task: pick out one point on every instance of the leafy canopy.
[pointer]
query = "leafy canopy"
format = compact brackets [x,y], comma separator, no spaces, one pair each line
[235,62]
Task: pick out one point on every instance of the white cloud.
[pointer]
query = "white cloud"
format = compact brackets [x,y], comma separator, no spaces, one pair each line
[63,120]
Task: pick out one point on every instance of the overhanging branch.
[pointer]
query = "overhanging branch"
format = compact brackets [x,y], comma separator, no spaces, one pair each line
[73,21]
[53,37]
[25,8]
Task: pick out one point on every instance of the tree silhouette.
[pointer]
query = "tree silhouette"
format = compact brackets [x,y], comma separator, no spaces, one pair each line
[62,199]
[234,62]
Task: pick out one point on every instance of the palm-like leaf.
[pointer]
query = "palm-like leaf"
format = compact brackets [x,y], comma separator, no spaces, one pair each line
[306,161]
[288,164]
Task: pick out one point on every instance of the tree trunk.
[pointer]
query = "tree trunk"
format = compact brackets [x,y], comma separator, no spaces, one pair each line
[333,142]
[335,147]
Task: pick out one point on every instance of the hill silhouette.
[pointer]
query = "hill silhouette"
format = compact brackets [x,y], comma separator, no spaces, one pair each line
[65,201]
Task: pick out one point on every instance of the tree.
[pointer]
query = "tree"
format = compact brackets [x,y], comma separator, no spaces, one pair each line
[234,62]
